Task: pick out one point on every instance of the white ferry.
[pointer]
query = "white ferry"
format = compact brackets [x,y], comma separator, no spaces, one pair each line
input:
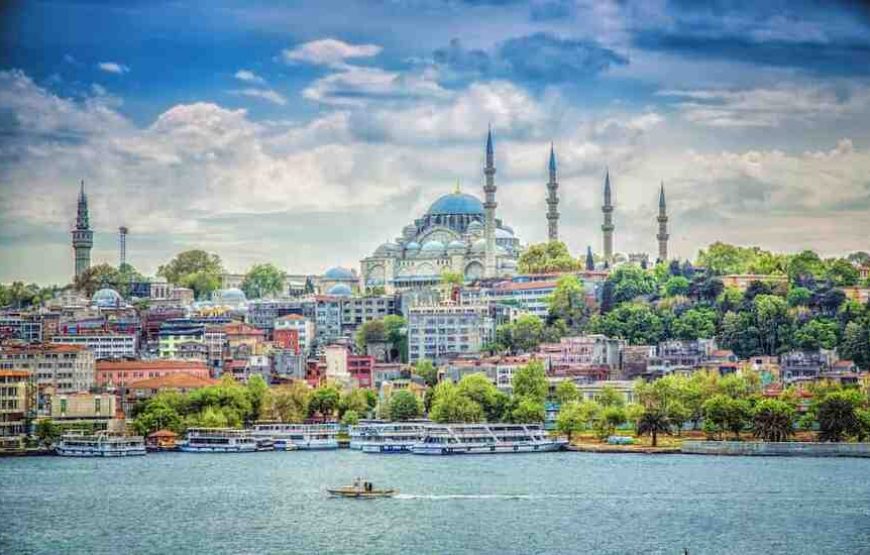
[288,437]
[218,440]
[78,444]
[471,439]
[391,437]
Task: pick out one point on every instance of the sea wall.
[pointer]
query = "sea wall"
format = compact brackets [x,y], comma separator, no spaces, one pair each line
[784,449]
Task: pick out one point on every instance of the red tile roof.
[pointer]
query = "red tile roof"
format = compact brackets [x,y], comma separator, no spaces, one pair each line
[173,381]
[105,365]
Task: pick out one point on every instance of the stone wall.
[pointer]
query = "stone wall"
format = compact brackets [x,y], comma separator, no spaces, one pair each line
[784,449]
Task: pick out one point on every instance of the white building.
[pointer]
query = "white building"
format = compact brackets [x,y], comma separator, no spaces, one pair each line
[104,346]
[65,368]
[442,331]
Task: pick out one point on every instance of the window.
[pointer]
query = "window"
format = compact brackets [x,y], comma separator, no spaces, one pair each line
[97,403]
[63,406]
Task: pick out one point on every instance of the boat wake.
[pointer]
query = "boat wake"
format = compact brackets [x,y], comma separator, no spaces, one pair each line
[508,496]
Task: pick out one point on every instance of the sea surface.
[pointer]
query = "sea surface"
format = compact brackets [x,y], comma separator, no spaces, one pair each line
[537,503]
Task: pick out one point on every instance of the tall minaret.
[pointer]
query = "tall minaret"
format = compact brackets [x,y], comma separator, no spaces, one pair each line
[607,228]
[552,200]
[663,226]
[489,207]
[82,236]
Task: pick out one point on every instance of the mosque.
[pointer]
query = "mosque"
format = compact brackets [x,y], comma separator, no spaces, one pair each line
[458,233]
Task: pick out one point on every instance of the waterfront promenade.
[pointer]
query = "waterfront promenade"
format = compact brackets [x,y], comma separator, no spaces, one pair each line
[549,503]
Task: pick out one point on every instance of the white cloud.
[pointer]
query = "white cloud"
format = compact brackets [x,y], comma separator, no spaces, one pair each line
[329,52]
[354,86]
[249,77]
[113,67]
[263,94]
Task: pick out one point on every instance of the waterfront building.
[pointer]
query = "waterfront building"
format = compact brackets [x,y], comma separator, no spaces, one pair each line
[356,311]
[14,407]
[103,345]
[388,371]
[22,327]
[635,360]
[412,385]
[121,373]
[288,364]
[498,369]
[458,233]
[95,411]
[767,367]
[143,389]
[244,338]
[443,331]
[82,236]
[58,368]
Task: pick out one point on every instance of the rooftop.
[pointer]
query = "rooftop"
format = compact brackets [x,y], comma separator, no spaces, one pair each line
[150,365]
[173,381]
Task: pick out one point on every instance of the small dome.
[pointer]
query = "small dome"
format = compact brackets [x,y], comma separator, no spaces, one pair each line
[339,273]
[456,203]
[340,290]
[501,233]
[433,247]
[413,246]
[387,248]
[456,246]
[475,226]
[107,298]
[233,295]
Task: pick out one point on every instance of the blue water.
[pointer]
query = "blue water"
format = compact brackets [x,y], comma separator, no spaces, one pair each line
[544,503]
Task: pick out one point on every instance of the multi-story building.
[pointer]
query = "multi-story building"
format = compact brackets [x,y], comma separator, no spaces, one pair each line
[288,364]
[13,408]
[117,374]
[22,328]
[679,356]
[583,350]
[103,345]
[94,410]
[263,313]
[327,319]
[62,368]
[174,333]
[443,331]
[216,350]
[356,311]
[303,327]
[242,336]
[796,366]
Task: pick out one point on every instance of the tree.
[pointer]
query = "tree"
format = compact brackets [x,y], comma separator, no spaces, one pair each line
[637,323]
[373,331]
[855,345]
[727,413]
[740,334]
[324,401]
[842,273]
[695,323]
[805,266]
[722,258]
[287,403]
[529,411]
[653,421]
[97,277]
[404,405]
[610,397]
[773,323]
[350,418]
[773,420]
[608,419]
[427,371]
[47,431]
[256,389]
[397,336]
[818,333]
[195,269]
[360,401]
[449,405]
[542,258]
[568,302]
[530,381]
[799,296]
[573,417]
[566,392]
[630,282]
[482,391]
[527,332]
[837,416]
[451,279]
[676,285]
[263,280]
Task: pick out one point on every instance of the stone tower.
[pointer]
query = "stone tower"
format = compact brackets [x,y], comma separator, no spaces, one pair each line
[663,226]
[607,228]
[552,200]
[489,207]
[82,236]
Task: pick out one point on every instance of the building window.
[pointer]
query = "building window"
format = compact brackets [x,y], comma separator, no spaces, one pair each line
[97,407]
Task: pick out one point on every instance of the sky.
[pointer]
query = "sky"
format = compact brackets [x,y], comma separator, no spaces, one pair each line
[307,133]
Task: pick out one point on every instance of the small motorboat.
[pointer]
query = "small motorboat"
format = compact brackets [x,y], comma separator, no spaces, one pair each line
[362,490]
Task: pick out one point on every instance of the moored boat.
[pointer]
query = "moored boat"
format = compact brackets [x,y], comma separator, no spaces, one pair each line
[287,437]
[473,439]
[101,444]
[218,440]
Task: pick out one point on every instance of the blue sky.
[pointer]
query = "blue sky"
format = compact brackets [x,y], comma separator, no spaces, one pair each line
[306,133]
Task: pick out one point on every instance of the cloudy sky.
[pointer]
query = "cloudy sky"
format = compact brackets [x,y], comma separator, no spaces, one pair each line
[306,133]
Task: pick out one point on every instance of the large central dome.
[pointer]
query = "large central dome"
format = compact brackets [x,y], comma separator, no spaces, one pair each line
[456,203]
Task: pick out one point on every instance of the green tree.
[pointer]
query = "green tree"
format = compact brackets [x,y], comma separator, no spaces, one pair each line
[47,432]
[727,414]
[527,332]
[837,416]
[773,420]
[263,280]
[842,273]
[773,322]
[324,401]
[573,417]
[482,391]
[637,323]
[287,403]
[568,302]
[97,277]
[404,405]
[630,282]
[360,401]
[566,392]
[818,333]
[256,389]
[397,335]
[695,323]
[350,418]
[722,258]
[449,405]
[530,381]
[608,419]
[676,285]
[740,334]
[855,345]
[610,397]
[373,331]
[427,371]
[195,269]
[529,410]
[542,258]
[653,421]
[799,296]
[805,266]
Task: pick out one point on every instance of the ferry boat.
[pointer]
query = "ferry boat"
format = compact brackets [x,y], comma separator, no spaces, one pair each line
[471,439]
[218,440]
[288,437]
[102,444]
[392,437]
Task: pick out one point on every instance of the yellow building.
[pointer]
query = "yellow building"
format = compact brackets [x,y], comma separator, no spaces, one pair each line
[390,386]
[13,408]
[97,410]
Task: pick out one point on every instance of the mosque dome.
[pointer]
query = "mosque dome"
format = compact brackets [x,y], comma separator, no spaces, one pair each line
[387,248]
[409,231]
[501,233]
[456,246]
[339,273]
[107,298]
[340,290]
[433,247]
[233,295]
[456,203]
[478,246]
[475,228]
[412,246]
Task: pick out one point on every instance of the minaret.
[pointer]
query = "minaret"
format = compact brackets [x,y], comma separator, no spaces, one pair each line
[82,236]
[552,200]
[663,226]
[590,260]
[607,228]
[489,207]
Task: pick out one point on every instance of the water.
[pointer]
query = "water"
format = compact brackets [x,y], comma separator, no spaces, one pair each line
[544,503]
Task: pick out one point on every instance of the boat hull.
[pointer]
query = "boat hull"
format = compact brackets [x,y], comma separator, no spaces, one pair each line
[356,494]
[218,449]
[426,449]
[386,448]
[63,452]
